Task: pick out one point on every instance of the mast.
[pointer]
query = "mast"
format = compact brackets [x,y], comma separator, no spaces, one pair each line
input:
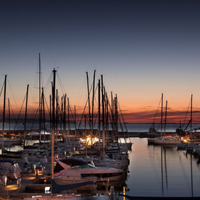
[57,117]
[4,105]
[68,133]
[165,118]
[9,113]
[99,111]
[26,114]
[112,115]
[191,118]
[50,109]
[86,140]
[64,117]
[43,110]
[93,104]
[75,122]
[53,123]
[88,98]
[103,128]
[161,112]
[40,113]
[106,108]
[116,115]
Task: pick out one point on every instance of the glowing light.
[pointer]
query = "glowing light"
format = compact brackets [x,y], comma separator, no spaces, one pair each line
[11,187]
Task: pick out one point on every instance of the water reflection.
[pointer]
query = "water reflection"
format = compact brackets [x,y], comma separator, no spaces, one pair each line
[162,171]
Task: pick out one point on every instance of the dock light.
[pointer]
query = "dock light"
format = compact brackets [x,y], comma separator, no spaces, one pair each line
[34,167]
[43,168]
[124,192]
[56,156]
[5,180]
[19,182]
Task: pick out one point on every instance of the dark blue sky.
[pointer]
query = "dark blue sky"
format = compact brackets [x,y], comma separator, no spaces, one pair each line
[143,48]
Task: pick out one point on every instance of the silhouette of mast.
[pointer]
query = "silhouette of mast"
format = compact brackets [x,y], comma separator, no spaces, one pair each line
[4,106]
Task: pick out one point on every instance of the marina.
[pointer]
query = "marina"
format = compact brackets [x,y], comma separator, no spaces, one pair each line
[153,171]
[99,100]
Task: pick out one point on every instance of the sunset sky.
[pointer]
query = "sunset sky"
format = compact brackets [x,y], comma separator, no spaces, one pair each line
[143,48]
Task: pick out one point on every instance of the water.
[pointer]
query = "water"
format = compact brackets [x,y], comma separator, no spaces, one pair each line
[161,171]
[130,127]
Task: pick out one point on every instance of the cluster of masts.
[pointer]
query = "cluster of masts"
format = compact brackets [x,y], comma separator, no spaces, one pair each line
[107,115]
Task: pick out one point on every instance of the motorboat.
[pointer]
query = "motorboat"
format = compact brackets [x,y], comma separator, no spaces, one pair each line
[103,175]
[170,140]
[8,142]
[69,175]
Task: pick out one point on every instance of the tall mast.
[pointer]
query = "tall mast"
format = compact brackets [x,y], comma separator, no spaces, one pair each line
[116,114]
[165,118]
[88,98]
[9,113]
[40,114]
[26,113]
[50,110]
[161,112]
[43,111]
[99,111]
[106,108]
[103,128]
[64,116]
[68,133]
[75,121]
[4,105]
[57,118]
[112,114]
[53,123]
[93,104]
[191,118]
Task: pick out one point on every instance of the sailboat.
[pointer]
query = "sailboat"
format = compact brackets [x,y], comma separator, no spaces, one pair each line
[188,143]
[164,140]
[56,187]
[7,142]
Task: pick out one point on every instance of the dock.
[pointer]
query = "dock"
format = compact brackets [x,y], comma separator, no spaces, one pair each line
[31,185]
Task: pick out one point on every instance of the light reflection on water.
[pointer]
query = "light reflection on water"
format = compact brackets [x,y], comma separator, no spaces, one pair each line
[161,171]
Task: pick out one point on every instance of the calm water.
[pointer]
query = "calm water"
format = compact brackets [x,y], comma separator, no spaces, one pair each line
[161,171]
[130,127]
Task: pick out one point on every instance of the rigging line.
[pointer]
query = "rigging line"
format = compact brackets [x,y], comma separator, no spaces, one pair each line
[94,95]
[34,117]
[122,117]
[156,111]
[11,91]
[49,80]
[111,117]
[123,121]
[20,111]
[47,108]
[72,114]
[1,89]
[13,114]
[82,115]
[186,113]
[61,84]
